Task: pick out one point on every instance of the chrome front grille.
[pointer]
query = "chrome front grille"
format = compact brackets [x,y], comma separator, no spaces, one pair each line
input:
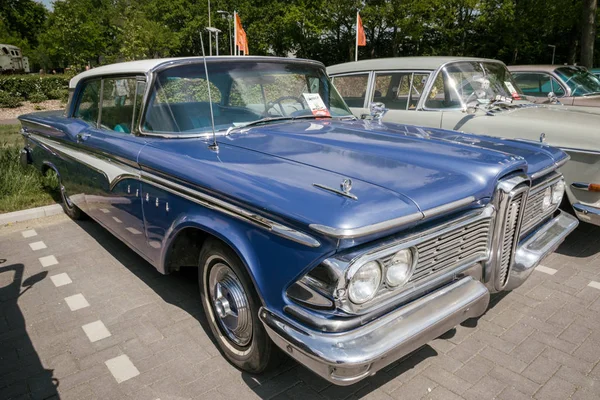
[534,212]
[469,242]
[511,228]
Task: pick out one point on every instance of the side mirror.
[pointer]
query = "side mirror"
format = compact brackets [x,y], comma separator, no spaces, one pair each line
[377,110]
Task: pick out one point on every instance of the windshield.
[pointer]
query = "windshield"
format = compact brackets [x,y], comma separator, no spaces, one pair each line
[581,82]
[242,92]
[465,82]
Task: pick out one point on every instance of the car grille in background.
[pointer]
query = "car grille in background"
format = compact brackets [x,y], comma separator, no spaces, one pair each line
[534,213]
[510,229]
[450,250]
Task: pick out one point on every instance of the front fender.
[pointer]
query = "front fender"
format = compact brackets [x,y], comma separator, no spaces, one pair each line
[272,262]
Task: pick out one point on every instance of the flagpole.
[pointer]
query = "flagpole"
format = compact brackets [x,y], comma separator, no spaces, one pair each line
[235,48]
[356,47]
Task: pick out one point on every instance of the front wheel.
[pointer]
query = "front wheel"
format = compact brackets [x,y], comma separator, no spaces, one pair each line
[231,306]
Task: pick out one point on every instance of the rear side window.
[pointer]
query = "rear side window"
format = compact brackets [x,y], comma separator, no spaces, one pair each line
[88,107]
[353,88]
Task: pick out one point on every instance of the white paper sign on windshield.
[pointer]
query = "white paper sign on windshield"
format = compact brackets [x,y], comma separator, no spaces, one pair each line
[512,90]
[316,104]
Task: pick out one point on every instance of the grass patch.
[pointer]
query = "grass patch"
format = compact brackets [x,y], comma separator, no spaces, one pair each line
[21,188]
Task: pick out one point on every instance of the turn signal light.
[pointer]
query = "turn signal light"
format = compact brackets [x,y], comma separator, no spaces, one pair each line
[594,187]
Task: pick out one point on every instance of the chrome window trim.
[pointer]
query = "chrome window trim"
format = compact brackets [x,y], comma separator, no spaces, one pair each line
[115,171]
[433,76]
[349,233]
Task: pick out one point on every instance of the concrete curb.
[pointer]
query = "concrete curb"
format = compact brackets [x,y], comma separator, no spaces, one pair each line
[32,213]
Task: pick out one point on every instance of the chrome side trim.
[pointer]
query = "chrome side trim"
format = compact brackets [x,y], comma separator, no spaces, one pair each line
[583,151]
[551,168]
[587,213]
[580,186]
[340,192]
[349,233]
[227,208]
[115,171]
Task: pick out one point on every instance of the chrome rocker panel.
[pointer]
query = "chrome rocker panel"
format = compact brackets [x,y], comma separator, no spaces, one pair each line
[346,358]
[587,214]
[538,246]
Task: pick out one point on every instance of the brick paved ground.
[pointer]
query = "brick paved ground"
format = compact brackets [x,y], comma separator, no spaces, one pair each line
[132,325]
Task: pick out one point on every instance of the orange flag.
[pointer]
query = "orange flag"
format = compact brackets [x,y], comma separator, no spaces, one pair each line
[361,39]
[240,35]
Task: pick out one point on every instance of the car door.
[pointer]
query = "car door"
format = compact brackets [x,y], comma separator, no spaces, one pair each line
[113,197]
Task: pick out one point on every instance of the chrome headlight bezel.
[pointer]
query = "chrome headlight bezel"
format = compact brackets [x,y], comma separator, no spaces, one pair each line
[558,192]
[409,265]
[374,271]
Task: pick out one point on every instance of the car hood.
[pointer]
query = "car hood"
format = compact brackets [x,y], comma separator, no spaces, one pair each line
[563,126]
[396,170]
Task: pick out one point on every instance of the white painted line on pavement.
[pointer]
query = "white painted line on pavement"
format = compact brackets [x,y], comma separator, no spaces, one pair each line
[105,211]
[546,270]
[77,302]
[48,261]
[117,220]
[122,368]
[594,284]
[29,233]
[37,245]
[61,279]
[96,331]
[134,231]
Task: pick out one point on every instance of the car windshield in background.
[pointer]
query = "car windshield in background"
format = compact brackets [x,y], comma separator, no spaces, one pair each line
[465,82]
[581,82]
[242,92]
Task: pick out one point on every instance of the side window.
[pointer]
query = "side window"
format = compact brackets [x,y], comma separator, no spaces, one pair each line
[418,85]
[443,93]
[353,88]
[399,90]
[118,97]
[538,84]
[89,99]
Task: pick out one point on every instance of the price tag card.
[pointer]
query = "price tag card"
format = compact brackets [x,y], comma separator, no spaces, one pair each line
[512,90]
[316,104]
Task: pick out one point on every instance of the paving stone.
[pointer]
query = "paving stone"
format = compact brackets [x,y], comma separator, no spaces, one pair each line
[416,388]
[503,359]
[555,388]
[575,333]
[61,279]
[48,261]
[122,368]
[541,370]
[486,388]
[96,331]
[76,302]
[475,369]
[35,246]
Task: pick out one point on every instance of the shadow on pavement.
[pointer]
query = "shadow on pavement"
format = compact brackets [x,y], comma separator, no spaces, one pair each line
[584,242]
[22,374]
[181,289]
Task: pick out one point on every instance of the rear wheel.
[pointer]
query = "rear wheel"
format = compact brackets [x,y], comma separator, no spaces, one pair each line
[231,306]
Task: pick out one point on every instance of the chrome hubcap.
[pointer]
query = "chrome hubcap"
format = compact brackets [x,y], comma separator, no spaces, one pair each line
[230,304]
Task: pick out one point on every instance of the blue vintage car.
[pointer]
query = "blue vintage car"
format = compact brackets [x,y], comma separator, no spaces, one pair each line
[346,243]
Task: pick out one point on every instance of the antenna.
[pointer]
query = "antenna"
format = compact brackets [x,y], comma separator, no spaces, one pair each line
[213,146]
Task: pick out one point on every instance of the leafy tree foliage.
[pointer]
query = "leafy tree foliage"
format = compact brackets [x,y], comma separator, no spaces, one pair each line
[100,31]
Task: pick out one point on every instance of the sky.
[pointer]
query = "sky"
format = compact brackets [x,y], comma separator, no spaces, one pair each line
[47,3]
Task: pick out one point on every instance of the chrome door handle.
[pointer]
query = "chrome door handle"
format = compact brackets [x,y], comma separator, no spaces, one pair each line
[82,137]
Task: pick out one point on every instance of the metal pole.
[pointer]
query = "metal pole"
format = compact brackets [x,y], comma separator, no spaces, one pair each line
[230,37]
[217,41]
[553,51]
[356,47]
[209,34]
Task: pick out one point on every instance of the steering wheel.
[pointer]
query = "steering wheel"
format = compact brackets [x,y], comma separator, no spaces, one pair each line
[278,101]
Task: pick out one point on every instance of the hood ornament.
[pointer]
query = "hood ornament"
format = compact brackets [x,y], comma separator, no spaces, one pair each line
[345,188]
[542,137]
[346,185]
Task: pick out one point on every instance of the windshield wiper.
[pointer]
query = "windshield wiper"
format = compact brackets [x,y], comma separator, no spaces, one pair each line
[270,119]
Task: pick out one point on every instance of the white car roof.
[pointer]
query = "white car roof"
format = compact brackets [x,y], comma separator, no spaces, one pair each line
[411,63]
[145,66]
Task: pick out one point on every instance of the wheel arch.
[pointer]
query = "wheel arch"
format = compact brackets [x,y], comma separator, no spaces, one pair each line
[184,241]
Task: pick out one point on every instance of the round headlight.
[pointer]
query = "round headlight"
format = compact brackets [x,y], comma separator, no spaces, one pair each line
[400,269]
[547,201]
[558,191]
[364,283]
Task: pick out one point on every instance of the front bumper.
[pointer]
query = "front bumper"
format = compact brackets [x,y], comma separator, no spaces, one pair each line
[347,357]
[587,213]
[538,246]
